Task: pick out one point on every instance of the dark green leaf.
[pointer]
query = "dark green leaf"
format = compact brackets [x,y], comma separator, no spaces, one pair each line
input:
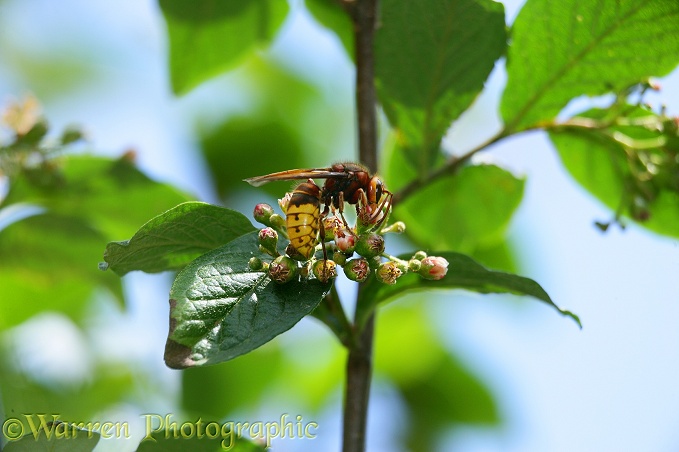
[208,37]
[564,49]
[463,273]
[641,184]
[176,237]
[50,436]
[331,15]
[464,211]
[432,57]
[230,150]
[220,309]
[48,262]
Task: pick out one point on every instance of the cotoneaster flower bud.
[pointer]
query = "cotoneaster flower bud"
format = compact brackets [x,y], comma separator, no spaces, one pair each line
[278,223]
[370,245]
[262,213]
[255,264]
[419,255]
[330,225]
[345,241]
[324,270]
[357,269]
[268,239]
[397,228]
[433,267]
[284,201]
[282,270]
[339,258]
[388,272]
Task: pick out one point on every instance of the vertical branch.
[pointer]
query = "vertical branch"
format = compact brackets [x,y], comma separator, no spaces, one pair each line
[365,19]
[359,361]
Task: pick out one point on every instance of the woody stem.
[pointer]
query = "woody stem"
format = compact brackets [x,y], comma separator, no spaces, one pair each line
[359,361]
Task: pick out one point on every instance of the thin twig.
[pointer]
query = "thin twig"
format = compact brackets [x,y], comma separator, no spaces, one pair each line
[453,164]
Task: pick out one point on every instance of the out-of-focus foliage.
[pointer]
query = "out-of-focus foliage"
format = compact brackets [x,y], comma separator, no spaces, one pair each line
[433,58]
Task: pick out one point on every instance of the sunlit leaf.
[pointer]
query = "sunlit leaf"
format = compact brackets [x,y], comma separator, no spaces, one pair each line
[463,211]
[208,37]
[176,237]
[220,309]
[432,57]
[49,262]
[564,49]
[640,184]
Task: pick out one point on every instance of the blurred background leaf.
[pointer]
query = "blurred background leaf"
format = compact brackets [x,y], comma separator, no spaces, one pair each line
[208,37]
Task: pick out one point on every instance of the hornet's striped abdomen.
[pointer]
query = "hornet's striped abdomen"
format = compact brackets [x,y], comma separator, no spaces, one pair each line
[303,218]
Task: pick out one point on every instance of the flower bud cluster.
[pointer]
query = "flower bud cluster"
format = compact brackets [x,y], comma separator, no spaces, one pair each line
[342,243]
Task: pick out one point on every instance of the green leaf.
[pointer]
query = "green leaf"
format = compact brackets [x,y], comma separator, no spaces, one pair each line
[225,440]
[220,309]
[229,151]
[463,273]
[331,15]
[176,237]
[465,211]
[55,436]
[112,196]
[208,37]
[564,49]
[48,262]
[250,378]
[440,393]
[106,386]
[641,184]
[431,60]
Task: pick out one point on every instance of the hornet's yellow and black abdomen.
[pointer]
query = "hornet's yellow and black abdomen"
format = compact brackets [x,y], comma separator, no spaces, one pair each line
[303,218]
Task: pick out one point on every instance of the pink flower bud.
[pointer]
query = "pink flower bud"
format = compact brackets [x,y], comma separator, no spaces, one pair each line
[268,238]
[345,241]
[433,267]
[262,213]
